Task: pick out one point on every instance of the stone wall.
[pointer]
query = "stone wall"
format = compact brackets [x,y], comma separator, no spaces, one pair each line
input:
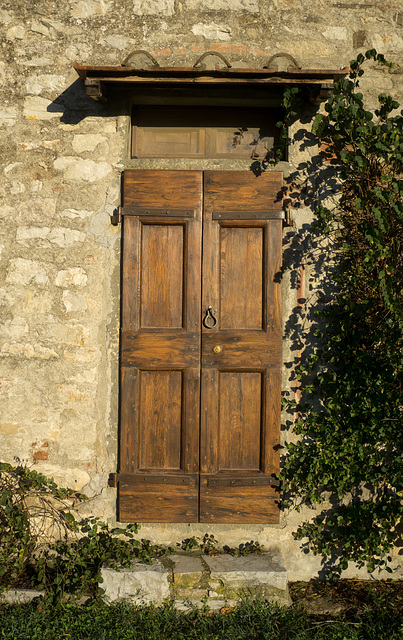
[61,159]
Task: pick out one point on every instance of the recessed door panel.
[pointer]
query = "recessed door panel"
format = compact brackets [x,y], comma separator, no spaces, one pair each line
[160,421]
[161,290]
[241,277]
[240,421]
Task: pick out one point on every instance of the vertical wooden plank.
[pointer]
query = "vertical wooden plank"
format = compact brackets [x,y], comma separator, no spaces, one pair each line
[191,421]
[129,402]
[273,279]
[131,273]
[210,270]
[272,410]
[209,420]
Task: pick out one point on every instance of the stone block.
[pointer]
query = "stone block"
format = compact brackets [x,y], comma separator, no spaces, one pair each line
[62,236]
[38,83]
[24,272]
[37,108]
[335,33]
[89,9]
[140,583]
[16,33]
[8,116]
[192,595]
[73,302]
[213,605]
[8,428]
[212,31]
[153,7]
[255,575]
[187,569]
[27,350]
[72,277]
[79,169]
[87,142]
[20,596]
[190,576]
[251,6]
[359,39]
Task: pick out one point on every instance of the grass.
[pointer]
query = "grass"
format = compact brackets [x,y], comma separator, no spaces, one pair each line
[257,620]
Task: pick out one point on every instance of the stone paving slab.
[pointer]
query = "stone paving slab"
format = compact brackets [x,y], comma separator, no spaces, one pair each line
[20,596]
[251,576]
[253,569]
[189,576]
[140,583]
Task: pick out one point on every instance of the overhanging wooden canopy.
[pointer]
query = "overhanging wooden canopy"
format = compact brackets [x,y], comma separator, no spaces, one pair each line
[102,82]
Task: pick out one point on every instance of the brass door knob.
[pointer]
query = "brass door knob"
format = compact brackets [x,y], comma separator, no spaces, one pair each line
[217,349]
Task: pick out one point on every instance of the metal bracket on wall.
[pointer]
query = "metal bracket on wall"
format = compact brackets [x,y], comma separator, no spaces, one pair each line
[116,218]
[294,64]
[113,480]
[198,64]
[288,220]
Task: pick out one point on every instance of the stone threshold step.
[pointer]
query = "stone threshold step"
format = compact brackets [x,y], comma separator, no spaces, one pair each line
[192,577]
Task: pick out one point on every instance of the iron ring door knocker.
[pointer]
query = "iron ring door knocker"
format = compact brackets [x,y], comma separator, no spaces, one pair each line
[209,319]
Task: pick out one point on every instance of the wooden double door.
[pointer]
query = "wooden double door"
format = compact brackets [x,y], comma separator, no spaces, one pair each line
[200,347]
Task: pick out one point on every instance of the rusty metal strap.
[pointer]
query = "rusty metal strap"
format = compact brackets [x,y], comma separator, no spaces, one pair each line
[134,479]
[243,482]
[249,215]
[165,213]
[142,212]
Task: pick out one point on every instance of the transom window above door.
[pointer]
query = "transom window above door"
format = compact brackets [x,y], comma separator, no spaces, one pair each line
[204,131]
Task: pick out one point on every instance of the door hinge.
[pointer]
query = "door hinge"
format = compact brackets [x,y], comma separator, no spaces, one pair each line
[113,480]
[288,220]
[116,218]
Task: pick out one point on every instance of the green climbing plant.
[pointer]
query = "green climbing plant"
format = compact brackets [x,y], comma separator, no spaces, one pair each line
[44,543]
[350,416]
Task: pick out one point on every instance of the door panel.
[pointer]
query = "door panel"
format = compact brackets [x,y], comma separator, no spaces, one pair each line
[242,352]
[160,347]
[200,347]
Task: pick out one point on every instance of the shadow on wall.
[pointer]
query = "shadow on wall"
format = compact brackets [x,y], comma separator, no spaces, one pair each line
[310,262]
[74,105]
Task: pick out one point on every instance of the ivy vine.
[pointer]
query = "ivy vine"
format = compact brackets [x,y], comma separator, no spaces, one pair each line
[349,457]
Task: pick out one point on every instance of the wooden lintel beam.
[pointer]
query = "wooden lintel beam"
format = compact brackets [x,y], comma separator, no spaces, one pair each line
[205,80]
